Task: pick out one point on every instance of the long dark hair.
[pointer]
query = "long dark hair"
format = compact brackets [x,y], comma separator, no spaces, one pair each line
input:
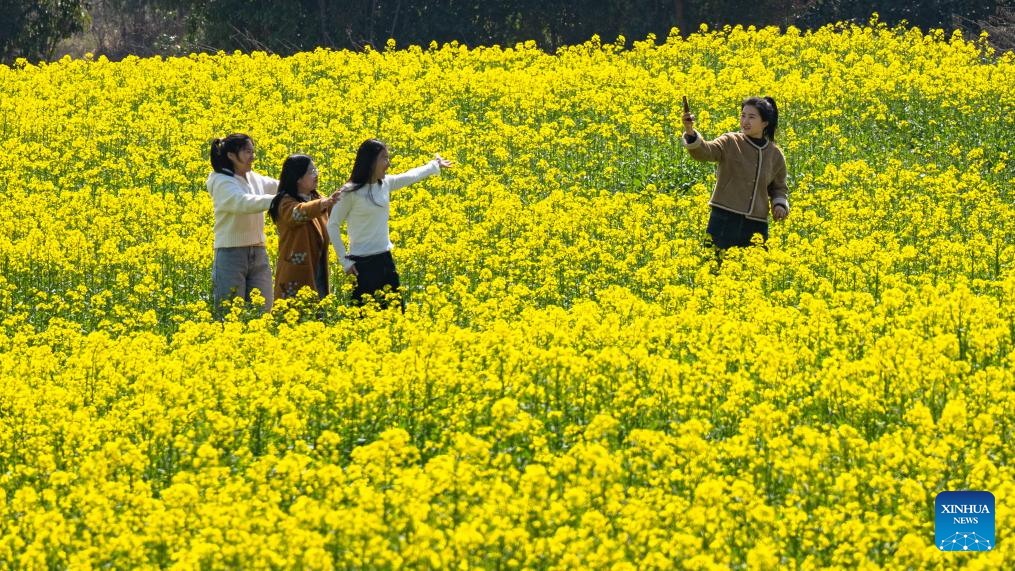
[293,169]
[769,113]
[363,166]
[220,149]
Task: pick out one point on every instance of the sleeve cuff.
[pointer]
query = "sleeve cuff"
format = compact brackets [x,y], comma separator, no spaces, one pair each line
[780,201]
[693,144]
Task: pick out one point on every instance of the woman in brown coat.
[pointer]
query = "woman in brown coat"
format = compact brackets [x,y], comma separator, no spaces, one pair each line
[750,177]
[301,216]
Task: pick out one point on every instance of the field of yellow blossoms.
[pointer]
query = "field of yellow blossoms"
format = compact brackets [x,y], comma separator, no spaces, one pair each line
[575,383]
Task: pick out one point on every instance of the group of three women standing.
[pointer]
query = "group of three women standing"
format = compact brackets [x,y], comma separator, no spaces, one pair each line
[750,183]
[306,221]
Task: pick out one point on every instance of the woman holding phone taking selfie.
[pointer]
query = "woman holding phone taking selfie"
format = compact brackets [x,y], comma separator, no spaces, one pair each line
[365,206]
[750,175]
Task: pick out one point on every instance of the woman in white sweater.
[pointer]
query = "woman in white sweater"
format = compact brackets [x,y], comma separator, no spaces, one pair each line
[240,196]
[365,207]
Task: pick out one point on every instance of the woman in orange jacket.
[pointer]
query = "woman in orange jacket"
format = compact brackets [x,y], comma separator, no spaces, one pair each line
[301,216]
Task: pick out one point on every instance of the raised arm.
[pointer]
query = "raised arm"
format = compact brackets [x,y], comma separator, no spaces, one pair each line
[417,174]
[229,196]
[702,150]
[299,213]
[270,185]
[696,145]
[412,176]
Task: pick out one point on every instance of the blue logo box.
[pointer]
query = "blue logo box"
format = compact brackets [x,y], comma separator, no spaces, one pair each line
[964,521]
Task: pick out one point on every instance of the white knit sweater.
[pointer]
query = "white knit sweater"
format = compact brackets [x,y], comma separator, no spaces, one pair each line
[239,207]
[367,219]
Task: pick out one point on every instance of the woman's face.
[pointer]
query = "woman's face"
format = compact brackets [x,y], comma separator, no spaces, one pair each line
[243,162]
[308,182]
[751,123]
[381,165]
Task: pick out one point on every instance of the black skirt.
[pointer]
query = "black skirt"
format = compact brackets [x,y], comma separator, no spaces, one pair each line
[729,229]
[374,274]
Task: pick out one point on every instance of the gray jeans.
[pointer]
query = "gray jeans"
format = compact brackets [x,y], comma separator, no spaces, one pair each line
[237,271]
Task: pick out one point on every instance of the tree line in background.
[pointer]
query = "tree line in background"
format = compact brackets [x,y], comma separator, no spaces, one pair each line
[44,29]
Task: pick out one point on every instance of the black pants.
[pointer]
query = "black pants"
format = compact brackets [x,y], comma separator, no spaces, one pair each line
[729,229]
[373,273]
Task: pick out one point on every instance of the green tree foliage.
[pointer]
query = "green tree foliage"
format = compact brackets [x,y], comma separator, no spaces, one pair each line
[925,14]
[142,27]
[145,27]
[304,24]
[31,29]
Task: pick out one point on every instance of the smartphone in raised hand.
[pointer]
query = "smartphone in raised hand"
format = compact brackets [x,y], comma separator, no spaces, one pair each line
[688,118]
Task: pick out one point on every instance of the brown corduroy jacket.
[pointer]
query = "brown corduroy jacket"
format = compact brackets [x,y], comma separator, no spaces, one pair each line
[747,177]
[302,240]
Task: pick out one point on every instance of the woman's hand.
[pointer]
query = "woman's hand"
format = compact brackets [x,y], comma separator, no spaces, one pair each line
[779,212]
[688,123]
[351,270]
[443,163]
[331,200]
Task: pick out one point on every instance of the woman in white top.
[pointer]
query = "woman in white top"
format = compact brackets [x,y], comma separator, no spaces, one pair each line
[365,207]
[240,196]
